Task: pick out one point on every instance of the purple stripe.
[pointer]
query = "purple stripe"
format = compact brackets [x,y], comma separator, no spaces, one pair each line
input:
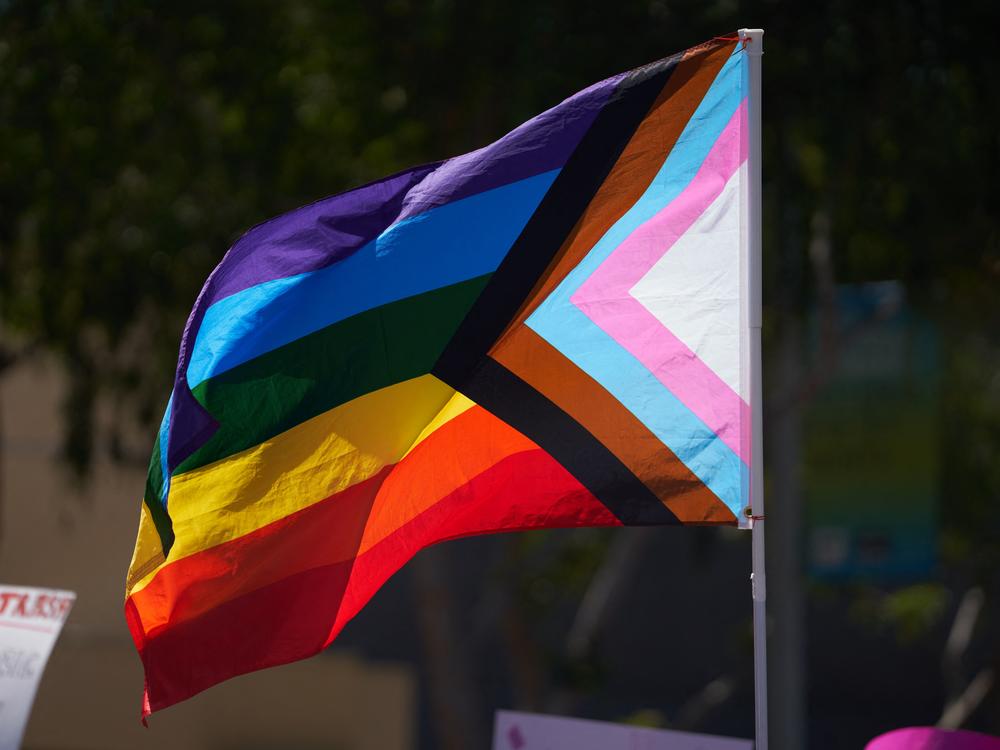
[324,232]
[541,144]
[314,236]
[331,229]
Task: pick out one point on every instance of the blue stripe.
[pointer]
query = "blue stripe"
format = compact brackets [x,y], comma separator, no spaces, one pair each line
[163,436]
[577,337]
[445,245]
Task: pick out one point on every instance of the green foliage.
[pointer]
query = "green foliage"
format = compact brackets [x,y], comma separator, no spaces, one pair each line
[646,717]
[908,613]
[971,480]
[137,140]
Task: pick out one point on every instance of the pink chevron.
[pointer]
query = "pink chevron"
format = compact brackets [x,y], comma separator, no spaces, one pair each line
[604,297]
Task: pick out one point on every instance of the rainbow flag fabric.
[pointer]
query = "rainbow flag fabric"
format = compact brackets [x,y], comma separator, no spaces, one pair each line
[546,332]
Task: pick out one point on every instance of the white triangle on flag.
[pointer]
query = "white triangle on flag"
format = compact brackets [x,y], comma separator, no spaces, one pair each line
[693,290]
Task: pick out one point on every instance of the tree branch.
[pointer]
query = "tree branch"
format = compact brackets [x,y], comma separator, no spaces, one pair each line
[962,628]
[958,711]
[605,589]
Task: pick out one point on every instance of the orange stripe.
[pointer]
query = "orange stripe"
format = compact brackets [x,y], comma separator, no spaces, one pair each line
[462,448]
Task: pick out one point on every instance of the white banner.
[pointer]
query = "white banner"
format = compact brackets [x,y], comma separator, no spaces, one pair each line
[30,621]
[519,731]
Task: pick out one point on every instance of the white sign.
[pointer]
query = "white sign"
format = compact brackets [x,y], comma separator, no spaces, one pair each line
[518,731]
[30,621]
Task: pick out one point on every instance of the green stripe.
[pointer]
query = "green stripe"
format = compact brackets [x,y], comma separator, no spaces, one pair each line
[284,387]
[154,479]
[154,487]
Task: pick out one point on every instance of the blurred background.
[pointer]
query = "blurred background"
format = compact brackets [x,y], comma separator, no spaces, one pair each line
[138,140]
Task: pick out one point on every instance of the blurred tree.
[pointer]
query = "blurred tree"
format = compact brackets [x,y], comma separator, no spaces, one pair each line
[137,143]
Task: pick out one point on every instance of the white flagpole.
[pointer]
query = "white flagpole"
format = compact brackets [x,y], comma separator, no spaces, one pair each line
[753,44]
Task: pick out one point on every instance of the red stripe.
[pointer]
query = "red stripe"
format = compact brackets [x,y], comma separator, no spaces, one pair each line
[325,532]
[526,491]
[297,616]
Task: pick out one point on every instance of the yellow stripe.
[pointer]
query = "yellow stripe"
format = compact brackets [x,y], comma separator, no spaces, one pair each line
[148,554]
[313,460]
[457,404]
